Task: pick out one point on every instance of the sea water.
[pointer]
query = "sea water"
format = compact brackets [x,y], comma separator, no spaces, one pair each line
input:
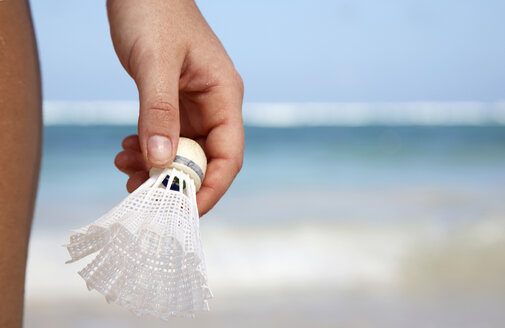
[299,174]
[324,211]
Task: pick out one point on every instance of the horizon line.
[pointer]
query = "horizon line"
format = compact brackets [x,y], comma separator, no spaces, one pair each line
[291,114]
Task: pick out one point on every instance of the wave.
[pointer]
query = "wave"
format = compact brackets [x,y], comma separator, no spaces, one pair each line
[410,257]
[298,114]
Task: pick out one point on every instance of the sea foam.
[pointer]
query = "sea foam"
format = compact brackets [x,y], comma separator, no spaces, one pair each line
[409,257]
[299,114]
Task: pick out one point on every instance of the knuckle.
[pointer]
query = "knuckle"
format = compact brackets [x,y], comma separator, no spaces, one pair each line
[164,106]
[240,82]
[119,160]
[230,77]
[237,163]
[237,81]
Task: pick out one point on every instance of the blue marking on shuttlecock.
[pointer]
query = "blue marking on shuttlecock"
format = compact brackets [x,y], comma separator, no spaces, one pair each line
[175,183]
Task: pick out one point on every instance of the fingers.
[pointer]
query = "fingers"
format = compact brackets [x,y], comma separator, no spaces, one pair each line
[131,143]
[130,161]
[136,179]
[158,84]
[224,148]
[221,170]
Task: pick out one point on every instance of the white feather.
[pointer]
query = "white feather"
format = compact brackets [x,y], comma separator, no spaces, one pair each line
[150,257]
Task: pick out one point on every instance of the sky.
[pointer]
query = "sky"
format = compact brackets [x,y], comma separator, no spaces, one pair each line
[301,51]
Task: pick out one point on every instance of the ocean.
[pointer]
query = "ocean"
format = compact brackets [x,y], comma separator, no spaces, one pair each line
[395,221]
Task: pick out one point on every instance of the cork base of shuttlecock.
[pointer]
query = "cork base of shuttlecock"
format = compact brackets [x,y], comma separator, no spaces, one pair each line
[190,159]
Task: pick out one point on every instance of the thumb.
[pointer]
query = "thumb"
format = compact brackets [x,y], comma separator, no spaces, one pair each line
[159,125]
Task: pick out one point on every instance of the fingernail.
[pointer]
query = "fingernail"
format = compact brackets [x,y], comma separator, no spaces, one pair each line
[159,149]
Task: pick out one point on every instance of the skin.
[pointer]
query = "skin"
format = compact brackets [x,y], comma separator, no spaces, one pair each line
[187,86]
[20,142]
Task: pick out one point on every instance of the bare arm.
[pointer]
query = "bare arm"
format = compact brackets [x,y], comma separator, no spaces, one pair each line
[20,139]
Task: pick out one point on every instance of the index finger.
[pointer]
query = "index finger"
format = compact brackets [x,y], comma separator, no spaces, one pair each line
[224,148]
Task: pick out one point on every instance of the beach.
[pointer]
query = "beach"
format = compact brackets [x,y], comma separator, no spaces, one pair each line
[335,226]
[372,192]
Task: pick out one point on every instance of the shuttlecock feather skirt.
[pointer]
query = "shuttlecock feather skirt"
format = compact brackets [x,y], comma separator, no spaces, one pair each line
[150,258]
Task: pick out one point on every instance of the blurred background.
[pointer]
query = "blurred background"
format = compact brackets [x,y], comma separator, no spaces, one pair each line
[373,187]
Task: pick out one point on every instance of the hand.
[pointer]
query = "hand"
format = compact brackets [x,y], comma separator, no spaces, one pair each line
[187,86]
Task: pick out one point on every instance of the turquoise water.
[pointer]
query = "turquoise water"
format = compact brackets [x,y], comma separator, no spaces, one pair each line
[322,224]
[300,173]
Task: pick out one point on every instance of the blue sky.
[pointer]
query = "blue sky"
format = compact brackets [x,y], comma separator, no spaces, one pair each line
[302,51]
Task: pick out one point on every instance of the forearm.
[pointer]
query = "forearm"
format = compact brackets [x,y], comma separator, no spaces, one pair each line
[20,143]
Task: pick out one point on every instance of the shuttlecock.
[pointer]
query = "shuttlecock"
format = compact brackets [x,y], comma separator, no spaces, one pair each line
[150,256]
